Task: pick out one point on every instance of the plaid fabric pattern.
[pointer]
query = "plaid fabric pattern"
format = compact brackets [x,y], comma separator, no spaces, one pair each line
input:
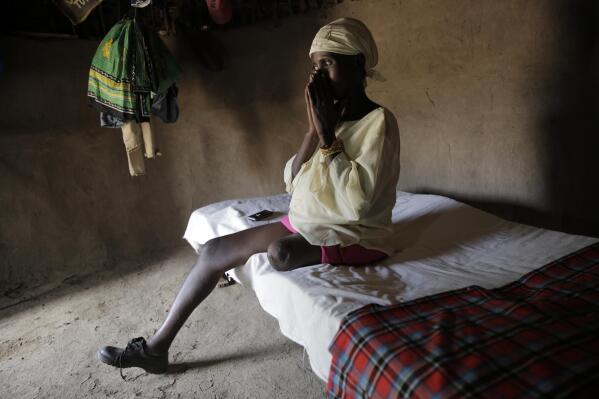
[537,337]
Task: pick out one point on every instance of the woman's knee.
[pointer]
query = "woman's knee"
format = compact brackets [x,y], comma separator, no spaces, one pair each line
[279,255]
[209,257]
[211,247]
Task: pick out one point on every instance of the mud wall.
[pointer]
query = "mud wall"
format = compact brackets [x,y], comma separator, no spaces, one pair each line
[496,103]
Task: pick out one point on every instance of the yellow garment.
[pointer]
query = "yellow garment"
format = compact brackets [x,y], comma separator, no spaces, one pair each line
[139,143]
[348,36]
[350,200]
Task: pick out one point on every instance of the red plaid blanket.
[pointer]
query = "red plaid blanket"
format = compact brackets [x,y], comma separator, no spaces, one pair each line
[536,337]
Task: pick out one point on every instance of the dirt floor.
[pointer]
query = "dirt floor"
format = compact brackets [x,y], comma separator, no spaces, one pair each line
[230,348]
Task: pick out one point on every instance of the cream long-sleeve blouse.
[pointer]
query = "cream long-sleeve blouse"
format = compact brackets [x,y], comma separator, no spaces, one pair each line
[350,200]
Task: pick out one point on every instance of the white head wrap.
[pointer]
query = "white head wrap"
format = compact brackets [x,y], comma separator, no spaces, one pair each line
[350,37]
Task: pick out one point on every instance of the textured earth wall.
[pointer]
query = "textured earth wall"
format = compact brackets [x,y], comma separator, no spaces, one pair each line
[496,103]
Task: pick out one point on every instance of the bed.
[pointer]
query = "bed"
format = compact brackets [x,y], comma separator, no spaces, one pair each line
[537,337]
[441,245]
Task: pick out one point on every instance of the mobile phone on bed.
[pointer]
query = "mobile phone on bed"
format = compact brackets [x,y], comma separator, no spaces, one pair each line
[263,214]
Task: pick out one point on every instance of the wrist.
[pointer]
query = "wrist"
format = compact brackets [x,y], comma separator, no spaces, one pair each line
[326,142]
[332,150]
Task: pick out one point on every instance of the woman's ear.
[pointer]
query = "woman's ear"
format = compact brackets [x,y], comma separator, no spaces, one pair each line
[361,61]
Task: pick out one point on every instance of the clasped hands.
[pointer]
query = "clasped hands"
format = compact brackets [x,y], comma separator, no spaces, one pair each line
[323,113]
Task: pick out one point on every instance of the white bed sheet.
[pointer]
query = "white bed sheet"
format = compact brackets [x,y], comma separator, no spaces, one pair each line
[441,244]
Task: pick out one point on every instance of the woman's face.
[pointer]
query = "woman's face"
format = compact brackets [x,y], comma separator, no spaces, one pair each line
[344,72]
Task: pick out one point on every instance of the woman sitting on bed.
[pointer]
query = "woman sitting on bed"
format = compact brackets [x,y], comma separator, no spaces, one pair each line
[342,183]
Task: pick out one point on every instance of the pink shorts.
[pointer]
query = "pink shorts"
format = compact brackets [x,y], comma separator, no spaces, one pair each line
[352,255]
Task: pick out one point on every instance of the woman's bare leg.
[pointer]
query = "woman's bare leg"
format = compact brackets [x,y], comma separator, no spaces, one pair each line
[221,254]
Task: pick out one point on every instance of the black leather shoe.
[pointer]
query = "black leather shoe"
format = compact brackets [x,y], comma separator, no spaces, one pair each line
[134,355]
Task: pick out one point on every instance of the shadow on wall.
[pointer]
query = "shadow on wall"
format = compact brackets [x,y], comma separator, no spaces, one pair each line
[72,207]
[571,121]
[238,125]
[568,126]
[263,71]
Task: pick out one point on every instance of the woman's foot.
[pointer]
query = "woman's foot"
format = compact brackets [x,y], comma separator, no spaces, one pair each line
[135,354]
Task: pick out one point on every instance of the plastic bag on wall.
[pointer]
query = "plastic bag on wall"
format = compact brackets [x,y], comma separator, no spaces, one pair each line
[77,10]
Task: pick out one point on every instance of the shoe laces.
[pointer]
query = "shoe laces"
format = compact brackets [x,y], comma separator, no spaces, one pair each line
[135,344]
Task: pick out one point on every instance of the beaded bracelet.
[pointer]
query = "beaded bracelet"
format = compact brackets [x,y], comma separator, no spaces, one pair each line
[335,148]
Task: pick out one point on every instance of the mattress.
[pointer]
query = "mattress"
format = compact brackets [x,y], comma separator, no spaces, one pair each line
[441,244]
[537,337]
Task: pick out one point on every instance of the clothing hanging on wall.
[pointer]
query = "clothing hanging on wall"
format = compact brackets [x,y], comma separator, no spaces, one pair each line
[130,69]
[165,106]
[130,65]
[134,136]
[139,142]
